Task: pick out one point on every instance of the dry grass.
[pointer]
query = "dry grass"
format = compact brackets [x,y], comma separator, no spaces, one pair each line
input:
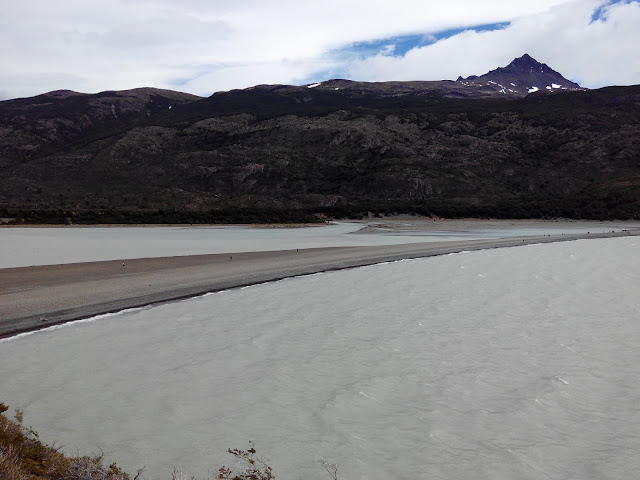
[23,456]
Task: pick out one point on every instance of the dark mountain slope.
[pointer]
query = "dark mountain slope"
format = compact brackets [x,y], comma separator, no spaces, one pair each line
[39,125]
[283,149]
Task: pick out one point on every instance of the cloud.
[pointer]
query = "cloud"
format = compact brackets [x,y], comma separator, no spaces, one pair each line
[202,46]
[594,53]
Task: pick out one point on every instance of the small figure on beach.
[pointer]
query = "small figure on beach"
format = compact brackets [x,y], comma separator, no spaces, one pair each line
[231,257]
[123,265]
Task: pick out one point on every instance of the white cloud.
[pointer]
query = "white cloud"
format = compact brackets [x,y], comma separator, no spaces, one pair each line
[593,53]
[204,46]
[388,49]
[250,74]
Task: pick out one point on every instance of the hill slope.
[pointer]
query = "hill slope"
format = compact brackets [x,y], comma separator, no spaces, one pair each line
[338,147]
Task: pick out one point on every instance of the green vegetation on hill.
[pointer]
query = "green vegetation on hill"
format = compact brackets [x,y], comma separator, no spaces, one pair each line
[281,154]
[156,217]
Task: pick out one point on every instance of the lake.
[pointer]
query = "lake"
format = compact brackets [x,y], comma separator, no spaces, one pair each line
[514,363]
[24,246]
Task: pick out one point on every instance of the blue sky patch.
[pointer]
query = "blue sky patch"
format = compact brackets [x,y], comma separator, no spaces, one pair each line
[600,12]
[400,45]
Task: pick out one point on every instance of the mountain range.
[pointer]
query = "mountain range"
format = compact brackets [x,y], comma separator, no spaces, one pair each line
[518,141]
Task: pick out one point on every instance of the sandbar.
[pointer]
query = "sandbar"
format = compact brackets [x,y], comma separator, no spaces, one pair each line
[37,297]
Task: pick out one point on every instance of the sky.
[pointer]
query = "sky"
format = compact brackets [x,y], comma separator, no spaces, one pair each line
[204,46]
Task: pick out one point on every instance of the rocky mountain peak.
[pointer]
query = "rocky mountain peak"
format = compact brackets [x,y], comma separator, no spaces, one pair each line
[525,63]
[522,76]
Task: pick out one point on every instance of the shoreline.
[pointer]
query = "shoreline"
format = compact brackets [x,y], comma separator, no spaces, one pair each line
[37,297]
[164,225]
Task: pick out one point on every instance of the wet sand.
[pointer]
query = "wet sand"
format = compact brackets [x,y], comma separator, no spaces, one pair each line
[399,224]
[36,297]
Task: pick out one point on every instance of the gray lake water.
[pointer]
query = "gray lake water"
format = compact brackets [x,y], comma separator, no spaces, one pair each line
[24,246]
[516,363]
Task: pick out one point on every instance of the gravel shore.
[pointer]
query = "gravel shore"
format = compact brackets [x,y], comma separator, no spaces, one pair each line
[36,297]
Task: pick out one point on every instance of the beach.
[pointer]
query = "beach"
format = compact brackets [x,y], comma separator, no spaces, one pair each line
[37,297]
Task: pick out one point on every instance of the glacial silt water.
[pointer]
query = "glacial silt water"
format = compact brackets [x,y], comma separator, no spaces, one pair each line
[25,246]
[516,363]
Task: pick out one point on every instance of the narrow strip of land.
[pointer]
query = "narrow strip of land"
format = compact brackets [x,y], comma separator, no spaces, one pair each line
[37,297]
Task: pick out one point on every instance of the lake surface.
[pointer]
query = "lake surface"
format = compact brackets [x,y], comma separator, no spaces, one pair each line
[514,363]
[26,246]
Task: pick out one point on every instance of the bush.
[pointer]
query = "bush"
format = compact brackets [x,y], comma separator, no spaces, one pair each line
[252,468]
[23,456]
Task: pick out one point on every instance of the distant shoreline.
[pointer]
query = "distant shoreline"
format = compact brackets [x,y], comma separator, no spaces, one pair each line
[32,298]
[166,225]
[416,219]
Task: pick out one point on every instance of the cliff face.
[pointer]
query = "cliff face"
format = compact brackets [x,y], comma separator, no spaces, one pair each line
[338,146]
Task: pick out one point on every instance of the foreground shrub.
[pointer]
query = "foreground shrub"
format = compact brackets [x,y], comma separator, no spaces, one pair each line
[23,456]
[251,468]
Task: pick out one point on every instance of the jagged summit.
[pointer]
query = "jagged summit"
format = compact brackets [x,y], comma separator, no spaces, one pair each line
[522,76]
[524,63]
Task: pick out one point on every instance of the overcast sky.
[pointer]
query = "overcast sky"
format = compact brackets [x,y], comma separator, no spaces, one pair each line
[204,46]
